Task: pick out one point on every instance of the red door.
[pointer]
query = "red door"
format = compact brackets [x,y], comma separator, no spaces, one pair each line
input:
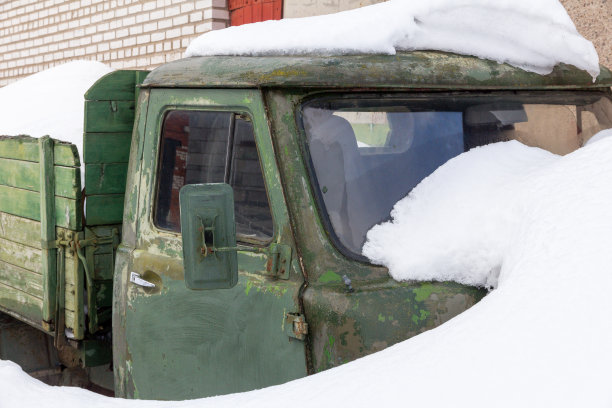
[252,11]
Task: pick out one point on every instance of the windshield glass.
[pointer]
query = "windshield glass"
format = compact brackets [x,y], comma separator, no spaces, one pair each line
[369,151]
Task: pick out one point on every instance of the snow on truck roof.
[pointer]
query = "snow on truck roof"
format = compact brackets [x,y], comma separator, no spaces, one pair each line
[417,69]
[535,35]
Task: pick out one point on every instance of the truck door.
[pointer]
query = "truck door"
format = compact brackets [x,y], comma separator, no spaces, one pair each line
[180,343]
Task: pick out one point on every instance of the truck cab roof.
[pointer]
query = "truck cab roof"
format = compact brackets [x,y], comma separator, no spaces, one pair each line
[405,70]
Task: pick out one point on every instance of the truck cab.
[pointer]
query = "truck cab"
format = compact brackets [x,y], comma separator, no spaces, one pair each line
[248,193]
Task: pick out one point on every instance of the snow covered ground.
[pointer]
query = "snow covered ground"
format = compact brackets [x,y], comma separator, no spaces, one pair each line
[531,34]
[537,227]
[50,102]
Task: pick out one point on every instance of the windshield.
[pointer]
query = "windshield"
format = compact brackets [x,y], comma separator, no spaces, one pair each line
[368,151]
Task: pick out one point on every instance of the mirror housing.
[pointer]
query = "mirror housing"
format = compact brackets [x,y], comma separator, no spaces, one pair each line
[209,236]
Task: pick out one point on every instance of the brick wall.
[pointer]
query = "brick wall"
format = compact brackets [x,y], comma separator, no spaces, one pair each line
[38,34]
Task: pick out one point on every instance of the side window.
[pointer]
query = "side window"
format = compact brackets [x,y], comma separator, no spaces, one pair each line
[212,147]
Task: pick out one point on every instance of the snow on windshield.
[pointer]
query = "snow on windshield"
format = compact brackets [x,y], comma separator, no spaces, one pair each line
[50,102]
[535,225]
[534,35]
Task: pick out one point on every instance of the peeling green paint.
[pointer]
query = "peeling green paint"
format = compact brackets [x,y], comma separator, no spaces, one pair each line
[330,277]
[423,292]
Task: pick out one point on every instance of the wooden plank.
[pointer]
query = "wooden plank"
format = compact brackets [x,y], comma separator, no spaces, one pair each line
[20,255]
[20,174]
[26,148]
[118,85]
[109,116]
[24,203]
[72,319]
[19,229]
[71,277]
[105,178]
[106,147]
[23,230]
[21,279]
[71,301]
[66,154]
[47,227]
[104,209]
[25,175]
[21,304]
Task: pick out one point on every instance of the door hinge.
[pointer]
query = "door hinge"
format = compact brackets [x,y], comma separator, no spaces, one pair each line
[296,326]
[279,260]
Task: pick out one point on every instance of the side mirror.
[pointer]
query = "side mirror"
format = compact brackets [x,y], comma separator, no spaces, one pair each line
[209,236]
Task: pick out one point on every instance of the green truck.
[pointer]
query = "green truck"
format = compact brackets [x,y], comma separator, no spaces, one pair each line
[214,245]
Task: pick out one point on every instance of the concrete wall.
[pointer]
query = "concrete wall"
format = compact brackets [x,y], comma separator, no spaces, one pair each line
[593,19]
[38,34]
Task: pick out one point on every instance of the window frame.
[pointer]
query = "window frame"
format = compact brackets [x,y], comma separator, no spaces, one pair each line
[390,95]
[240,238]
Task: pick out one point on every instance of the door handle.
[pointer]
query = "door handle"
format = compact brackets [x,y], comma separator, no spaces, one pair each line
[137,279]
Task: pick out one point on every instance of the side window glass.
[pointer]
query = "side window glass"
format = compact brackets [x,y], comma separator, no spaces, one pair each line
[252,211]
[212,147]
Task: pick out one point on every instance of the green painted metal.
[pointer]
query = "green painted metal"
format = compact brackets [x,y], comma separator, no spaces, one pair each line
[207,225]
[416,70]
[47,229]
[170,342]
[376,311]
[222,340]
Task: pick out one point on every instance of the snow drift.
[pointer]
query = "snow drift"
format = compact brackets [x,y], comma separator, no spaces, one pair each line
[50,102]
[534,35]
[539,222]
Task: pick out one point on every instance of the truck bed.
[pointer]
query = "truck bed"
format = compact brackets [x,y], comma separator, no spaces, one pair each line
[58,240]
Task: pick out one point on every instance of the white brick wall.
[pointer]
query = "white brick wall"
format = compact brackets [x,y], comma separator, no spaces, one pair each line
[128,34]
[39,34]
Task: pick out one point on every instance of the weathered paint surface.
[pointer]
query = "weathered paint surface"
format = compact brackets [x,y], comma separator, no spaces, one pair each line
[173,342]
[406,70]
[39,189]
[379,312]
[376,315]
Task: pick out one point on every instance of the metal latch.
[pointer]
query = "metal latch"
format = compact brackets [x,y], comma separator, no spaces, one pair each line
[279,260]
[296,326]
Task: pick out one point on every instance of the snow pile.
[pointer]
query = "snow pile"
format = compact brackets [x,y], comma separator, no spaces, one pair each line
[534,35]
[458,223]
[50,102]
[541,339]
